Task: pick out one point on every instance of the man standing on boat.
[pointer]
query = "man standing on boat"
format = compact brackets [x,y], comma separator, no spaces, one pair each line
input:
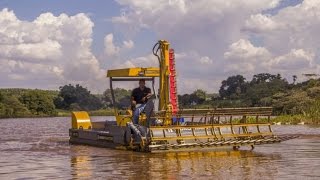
[139,98]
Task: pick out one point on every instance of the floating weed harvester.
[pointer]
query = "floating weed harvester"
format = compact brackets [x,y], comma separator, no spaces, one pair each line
[163,126]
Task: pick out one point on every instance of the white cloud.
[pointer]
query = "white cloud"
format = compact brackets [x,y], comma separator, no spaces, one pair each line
[41,51]
[123,19]
[295,59]
[245,50]
[47,52]
[206,60]
[16,77]
[237,35]
[296,62]
[128,44]
[244,58]
[259,23]
[207,25]
[201,29]
[143,61]
[292,28]
[291,37]
[111,49]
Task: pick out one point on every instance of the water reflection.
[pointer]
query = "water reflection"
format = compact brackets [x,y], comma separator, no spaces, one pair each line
[81,167]
[132,165]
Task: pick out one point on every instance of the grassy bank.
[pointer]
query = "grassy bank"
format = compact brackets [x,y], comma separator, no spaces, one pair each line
[296,119]
[64,113]
[284,119]
[100,112]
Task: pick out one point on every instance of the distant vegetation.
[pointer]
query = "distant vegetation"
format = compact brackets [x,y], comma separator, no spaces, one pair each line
[293,101]
[76,98]
[27,103]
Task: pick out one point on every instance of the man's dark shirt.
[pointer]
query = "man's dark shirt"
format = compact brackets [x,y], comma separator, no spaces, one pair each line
[138,94]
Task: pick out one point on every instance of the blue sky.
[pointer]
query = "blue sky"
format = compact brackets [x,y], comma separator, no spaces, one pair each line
[213,39]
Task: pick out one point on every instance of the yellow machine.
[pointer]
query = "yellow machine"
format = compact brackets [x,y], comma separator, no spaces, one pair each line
[168,128]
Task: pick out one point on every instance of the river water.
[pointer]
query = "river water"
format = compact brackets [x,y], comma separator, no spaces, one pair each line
[38,148]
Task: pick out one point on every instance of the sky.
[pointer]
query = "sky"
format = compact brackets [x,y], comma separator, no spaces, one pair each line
[46,44]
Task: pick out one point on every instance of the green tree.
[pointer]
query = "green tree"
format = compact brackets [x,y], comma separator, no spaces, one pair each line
[263,86]
[313,83]
[314,92]
[12,107]
[77,96]
[1,97]
[38,102]
[313,111]
[263,77]
[184,100]
[292,102]
[122,97]
[198,96]
[294,78]
[232,87]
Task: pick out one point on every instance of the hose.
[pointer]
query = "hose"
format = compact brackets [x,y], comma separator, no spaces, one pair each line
[155,52]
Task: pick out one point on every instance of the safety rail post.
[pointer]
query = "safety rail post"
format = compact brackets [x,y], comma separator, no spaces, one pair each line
[192,118]
[212,132]
[164,133]
[257,120]
[193,133]
[220,133]
[205,118]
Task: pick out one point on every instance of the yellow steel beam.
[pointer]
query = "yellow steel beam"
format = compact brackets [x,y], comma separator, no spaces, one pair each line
[134,72]
[207,126]
[164,75]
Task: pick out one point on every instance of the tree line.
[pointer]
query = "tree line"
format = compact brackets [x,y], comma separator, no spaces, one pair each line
[263,89]
[290,100]
[26,103]
[38,103]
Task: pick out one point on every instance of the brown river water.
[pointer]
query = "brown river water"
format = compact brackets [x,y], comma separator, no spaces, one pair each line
[38,148]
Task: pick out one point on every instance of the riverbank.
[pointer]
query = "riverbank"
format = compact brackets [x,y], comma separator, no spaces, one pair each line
[100,112]
[284,120]
[296,119]
[64,113]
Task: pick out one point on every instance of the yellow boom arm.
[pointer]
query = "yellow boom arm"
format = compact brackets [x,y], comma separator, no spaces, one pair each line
[163,57]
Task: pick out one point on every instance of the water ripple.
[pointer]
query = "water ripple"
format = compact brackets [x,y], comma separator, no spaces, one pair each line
[39,149]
